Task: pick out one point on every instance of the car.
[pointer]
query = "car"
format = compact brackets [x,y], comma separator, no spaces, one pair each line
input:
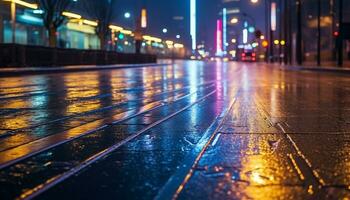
[248,57]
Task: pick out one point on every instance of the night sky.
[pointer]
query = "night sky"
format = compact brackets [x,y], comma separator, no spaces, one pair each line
[161,15]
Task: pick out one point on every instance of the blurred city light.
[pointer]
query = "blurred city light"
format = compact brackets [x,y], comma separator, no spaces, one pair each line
[234,20]
[273,16]
[224,30]
[219,38]
[25,4]
[143,18]
[251,29]
[265,44]
[127,15]
[193,24]
[245,36]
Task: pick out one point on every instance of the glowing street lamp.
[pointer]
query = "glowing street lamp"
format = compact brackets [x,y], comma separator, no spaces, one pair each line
[127,15]
[254,1]
[265,44]
[234,20]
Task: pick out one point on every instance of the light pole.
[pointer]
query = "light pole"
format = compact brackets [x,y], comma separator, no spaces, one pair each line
[340,37]
[299,53]
[318,32]
[273,26]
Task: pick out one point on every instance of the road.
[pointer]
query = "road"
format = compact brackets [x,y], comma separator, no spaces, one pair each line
[192,130]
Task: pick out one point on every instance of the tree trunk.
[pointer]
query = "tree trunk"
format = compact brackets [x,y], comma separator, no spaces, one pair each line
[102,38]
[52,37]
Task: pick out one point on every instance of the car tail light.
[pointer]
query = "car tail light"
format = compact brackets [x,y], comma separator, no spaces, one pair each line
[243,54]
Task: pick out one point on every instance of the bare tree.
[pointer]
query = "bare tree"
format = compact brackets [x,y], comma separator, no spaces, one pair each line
[52,16]
[101,10]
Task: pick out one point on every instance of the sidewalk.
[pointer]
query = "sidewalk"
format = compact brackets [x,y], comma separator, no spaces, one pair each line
[315,68]
[43,70]
[309,67]
[261,152]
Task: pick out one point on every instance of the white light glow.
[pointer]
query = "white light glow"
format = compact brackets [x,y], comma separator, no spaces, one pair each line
[273,16]
[245,36]
[224,22]
[193,25]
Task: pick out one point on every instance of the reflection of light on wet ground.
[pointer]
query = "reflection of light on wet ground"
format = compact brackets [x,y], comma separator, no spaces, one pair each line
[87,86]
[118,81]
[219,79]
[256,178]
[193,79]
[21,117]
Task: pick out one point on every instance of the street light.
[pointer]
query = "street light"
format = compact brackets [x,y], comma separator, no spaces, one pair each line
[254,1]
[165,30]
[234,20]
[127,15]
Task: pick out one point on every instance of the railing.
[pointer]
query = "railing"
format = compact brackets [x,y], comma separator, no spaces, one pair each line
[15,55]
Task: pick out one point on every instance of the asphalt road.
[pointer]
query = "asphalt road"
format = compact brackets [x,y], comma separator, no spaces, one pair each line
[192,130]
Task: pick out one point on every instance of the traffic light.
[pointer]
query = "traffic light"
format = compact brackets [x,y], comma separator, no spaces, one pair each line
[265,43]
[335,33]
[121,36]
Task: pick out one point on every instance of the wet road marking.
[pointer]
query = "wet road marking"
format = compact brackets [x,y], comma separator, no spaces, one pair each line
[216,139]
[296,167]
[301,164]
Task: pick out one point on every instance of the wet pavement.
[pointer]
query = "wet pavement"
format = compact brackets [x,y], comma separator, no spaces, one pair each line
[192,130]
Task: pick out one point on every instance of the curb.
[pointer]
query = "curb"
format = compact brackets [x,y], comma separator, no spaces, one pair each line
[47,70]
[317,69]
